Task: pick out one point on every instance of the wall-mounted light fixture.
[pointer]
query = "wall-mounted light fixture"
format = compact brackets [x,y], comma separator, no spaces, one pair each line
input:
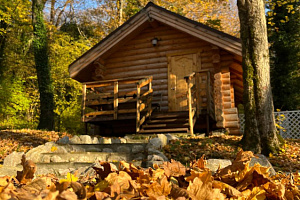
[154,41]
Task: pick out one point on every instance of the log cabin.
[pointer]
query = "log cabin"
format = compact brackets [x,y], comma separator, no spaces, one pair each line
[160,72]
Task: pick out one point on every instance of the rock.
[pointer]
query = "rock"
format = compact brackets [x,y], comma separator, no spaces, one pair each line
[46,159]
[123,140]
[115,140]
[35,153]
[64,140]
[123,149]
[137,149]
[13,159]
[44,171]
[153,151]
[86,139]
[107,150]
[75,140]
[56,158]
[95,140]
[263,161]
[116,157]
[139,156]
[163,139]
[171,137]
[105,140]
[61,149]
[157,157]
[83,159]
[155,143]
[213,164]
[63,172]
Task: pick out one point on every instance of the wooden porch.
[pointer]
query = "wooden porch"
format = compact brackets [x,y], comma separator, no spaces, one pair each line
[133,102]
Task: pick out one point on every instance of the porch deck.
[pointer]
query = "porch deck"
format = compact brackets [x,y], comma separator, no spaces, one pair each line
[130,102]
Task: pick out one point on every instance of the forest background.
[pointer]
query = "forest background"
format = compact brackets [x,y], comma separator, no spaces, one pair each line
[74,26]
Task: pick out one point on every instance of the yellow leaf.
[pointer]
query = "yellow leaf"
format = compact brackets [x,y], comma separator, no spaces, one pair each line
[53,148]
[70,178]
[270,155]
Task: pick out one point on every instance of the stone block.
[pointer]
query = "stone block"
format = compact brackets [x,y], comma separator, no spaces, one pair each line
[75,140]
[86,139]
[13,159]
[64,140]
[214,164]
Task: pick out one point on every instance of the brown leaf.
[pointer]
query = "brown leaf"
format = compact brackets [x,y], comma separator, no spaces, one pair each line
[174,168]
[105,170]
[177,192]
[200,163]
[227,189]
[201,188]
[67,195]
[132,170]
[29,168]
[79,190]
[159,188]
[101,195]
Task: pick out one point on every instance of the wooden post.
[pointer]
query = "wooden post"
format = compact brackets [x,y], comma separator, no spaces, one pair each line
[208,92]
[198,96]
[189,83]
[83,102]
[116,99]
[138,112]
[150,96]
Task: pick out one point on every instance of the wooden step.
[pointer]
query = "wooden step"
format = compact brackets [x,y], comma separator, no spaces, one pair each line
[169,115]
[155,126]
[166,121]
[171,130]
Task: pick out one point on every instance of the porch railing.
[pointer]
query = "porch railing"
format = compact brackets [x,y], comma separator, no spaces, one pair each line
[200,97]
[112,98]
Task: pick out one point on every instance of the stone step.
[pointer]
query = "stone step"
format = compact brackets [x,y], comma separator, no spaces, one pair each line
[121,147]
[89,157]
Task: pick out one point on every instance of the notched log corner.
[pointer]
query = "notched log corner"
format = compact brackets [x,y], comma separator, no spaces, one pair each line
[29,168]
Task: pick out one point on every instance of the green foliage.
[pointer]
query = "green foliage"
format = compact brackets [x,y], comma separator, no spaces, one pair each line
[67,92]
[284,36]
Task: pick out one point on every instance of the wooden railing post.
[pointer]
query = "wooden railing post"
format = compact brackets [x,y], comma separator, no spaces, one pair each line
[150,97]
[116,99]
[191,121]
[83,102]
[138,112]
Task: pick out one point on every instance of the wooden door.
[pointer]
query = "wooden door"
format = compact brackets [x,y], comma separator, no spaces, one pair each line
[180,66]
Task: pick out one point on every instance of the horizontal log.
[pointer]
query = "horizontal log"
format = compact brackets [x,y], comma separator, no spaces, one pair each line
[234,131]
[226,105]
[226,87]
[138,67]
[231,124]
[225,75]
[226,92]
[231,117]
[230,111]
[137,62]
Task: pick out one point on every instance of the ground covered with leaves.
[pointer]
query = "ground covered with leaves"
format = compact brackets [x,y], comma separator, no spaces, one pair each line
[171,180]
[24,140]
[227,147]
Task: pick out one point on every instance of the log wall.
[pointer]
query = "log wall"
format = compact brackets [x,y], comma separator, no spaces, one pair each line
[139,58]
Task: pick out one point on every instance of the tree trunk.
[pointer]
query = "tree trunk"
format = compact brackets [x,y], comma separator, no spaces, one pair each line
[260,132]
[40,46]
[3,25]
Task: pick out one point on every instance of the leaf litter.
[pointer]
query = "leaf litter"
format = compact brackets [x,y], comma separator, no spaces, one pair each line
[170,180]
